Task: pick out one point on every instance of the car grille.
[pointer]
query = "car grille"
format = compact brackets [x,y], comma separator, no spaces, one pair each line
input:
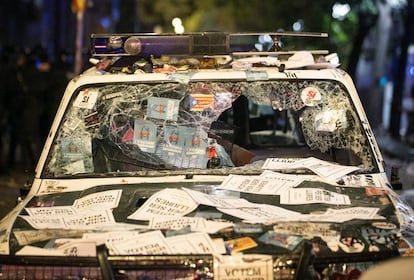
[178,267]
[131,267]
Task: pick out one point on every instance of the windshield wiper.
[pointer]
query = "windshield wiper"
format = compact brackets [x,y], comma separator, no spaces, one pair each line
[104,265]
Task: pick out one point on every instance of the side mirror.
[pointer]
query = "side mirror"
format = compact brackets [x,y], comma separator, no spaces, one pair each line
[24,191]
[395,178]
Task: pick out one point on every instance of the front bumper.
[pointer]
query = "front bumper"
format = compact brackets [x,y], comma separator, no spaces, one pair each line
[301,264]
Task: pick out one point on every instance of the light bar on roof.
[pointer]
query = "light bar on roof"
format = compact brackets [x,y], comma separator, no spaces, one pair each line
[166,44]
[205,43]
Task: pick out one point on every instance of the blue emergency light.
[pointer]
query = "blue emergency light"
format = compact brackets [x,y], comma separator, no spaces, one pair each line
[204,43]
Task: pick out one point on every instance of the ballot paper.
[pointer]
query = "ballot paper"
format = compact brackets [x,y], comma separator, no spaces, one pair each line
[25,237]
[271,183]
[75,248]
[360,180]
[325,169]
[167,202]
[100,200]
[362,213]
[108,238]
[176,223]
[261,214]
[195,223]
[93,219]
[328,170]
[148,243]
[83,220]
[282,163]
[215,201]
[191,243]
[313,195]
[44,222]
[54,211]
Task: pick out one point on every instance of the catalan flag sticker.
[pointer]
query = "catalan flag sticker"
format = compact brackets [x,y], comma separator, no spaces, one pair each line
[200,101]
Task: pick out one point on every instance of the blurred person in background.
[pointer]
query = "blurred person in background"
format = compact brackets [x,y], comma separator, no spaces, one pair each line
[22,111]
[56,77]
[5,90]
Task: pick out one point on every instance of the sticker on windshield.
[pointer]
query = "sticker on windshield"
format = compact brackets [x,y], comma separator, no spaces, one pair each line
[145,135]
[122,127]
[163,108]
[86,99]
[330,120]
[223,100]
[199,102]
[174,139]
[311,96]
[78,166]
[72,124]
[71,149]
[92,120]
[195,141]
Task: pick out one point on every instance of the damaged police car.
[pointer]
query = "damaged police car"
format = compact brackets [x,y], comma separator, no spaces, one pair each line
[193,157]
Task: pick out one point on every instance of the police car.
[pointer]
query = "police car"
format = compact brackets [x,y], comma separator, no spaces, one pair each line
[195,156]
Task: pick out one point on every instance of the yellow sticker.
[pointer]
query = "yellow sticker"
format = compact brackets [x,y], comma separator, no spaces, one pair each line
[240,244]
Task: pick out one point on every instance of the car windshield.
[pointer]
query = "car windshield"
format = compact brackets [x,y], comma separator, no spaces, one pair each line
[205,127]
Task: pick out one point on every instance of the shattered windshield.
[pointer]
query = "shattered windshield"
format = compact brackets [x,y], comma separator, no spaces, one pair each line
[205,126]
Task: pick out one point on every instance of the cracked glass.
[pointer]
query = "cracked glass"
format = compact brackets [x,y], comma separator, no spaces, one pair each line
[205,127]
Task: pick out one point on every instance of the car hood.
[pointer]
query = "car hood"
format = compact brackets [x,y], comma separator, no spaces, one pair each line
[216,215]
